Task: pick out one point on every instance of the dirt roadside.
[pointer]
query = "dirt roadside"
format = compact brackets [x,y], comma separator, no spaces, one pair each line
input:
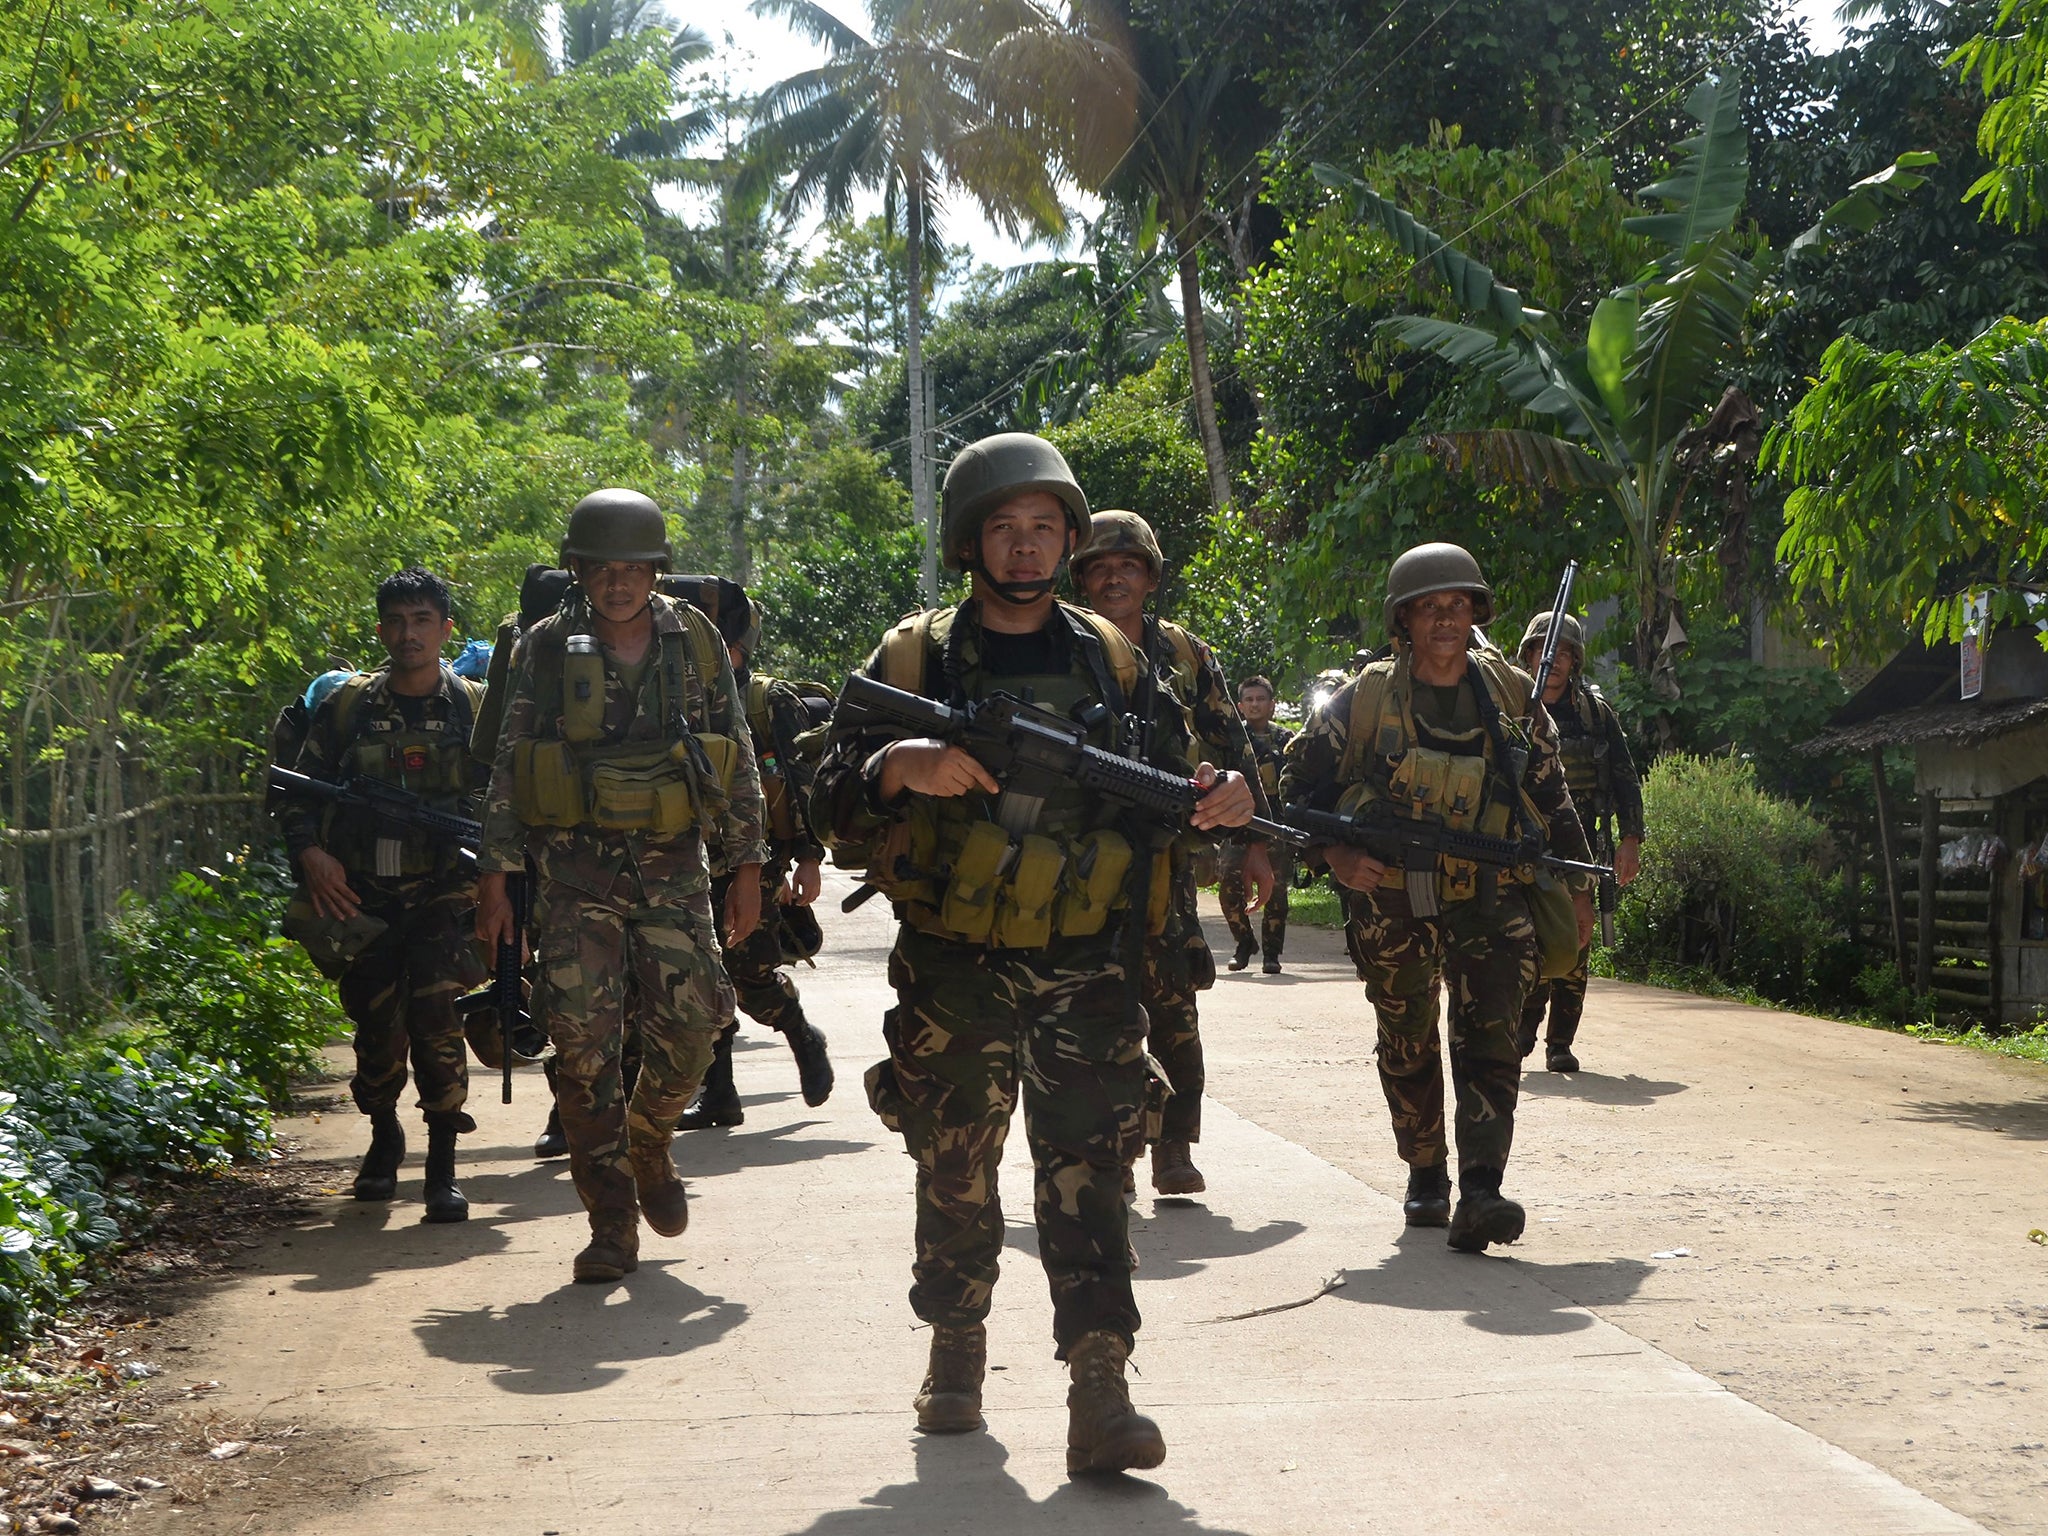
[1853,1205]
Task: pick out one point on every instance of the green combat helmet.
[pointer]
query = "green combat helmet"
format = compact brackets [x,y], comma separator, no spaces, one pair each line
[1429,568]
[1570,637]
[617,524]
[1116,532]
[988,473]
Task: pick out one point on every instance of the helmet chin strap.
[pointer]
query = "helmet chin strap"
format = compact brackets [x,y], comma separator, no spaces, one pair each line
[1020,593]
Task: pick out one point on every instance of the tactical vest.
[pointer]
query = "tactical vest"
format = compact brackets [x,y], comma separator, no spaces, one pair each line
[650,769]
[430,760]
[1270,749]
[1453,777]
[991,870]
[1583,748]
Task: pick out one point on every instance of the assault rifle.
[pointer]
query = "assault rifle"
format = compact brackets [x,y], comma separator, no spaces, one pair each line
[505,994]
[1414,847]
[1553,633]
[1610,893]
[396,810]
[1029,750]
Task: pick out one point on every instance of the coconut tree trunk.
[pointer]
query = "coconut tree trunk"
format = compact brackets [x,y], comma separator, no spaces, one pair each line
[1198,373]
[736,516]
[921,499]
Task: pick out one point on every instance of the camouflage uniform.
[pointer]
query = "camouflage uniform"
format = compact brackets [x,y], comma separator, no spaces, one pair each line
[976,1025]
[1487,961]
[623,922]
[1593,748]
[400,991]
[1269,746]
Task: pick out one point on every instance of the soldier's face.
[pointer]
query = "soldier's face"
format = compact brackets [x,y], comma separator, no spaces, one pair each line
[618,589]
[1117,585]
[1256,705]
[1026,538]
[1439,625]
[1561,670]
[413,634]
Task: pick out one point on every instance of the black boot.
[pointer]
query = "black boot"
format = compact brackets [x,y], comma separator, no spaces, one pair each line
[1484,1214]
[553,1142]
[377,1179]
[813,1066]
[1429,1196]
[717,1101]
[444,1201]
[1246,948]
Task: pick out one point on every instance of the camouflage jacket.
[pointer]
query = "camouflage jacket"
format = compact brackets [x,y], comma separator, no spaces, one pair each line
[1218,730]
[1594,748]
[1269,751]
[589,859]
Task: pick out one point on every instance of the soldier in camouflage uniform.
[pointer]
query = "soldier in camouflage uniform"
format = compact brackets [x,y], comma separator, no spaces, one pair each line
[1118,568]
[1594,751]
[408,725]
[1255,701]
[624,749]
[790,880]
[1012,962]
[1434,730]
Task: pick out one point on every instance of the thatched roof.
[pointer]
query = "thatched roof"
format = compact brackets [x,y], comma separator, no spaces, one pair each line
[1957,723]
[1915,698]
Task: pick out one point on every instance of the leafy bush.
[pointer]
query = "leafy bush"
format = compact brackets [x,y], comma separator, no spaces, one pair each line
[203,967]
[53,1217]
[1732,885]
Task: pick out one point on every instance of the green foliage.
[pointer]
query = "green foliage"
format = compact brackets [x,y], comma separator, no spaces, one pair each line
[204,967]
[1731,885]
[2010,63]
[53,1218]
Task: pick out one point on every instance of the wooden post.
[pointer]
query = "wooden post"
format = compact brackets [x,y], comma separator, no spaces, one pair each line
[1930,854]
[1888,846]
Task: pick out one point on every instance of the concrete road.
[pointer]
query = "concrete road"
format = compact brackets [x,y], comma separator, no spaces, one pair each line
[754,1376]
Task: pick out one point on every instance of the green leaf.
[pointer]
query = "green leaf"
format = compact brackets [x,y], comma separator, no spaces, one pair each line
[1512,457]
[1471,283]
[1707,191]
[1610,344]
[1867,201]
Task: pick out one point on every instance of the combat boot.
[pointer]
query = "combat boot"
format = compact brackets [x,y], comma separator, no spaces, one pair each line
[813,1066]
[1272,965]
[612,1253]
[1559,1058]
[949,1402]
[717,1101]
[1484,1214]
[377,1179]
[1429,1196]
[1173,1169]
[553,1141]
[443,1200]
[663,1200]
[1104,1433]
[1246,948]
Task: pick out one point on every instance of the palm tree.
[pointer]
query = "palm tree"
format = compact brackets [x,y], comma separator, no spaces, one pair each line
[909,111]
[590,27]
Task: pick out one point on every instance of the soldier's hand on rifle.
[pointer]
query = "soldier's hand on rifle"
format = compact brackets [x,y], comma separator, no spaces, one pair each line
[494,915]
[1582,909]
[926,766]
[1355,868]
[801,888]
[742,904]
[1258,877]
[1226,800]
[327,883]
[1628,860]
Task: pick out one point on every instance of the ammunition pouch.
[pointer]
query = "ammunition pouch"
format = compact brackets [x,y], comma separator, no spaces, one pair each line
[1019,893]
[656,788]
[1095,883]
[1024,903]
[631,795]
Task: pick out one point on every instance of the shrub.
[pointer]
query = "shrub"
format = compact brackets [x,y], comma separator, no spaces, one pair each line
[53,1217]
[1732,884]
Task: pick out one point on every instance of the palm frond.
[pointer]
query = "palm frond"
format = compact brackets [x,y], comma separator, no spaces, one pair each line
[1471,283]
[1712,179]
[1509,456]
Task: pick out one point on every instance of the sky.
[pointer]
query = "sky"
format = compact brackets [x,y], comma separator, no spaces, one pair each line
[764,51]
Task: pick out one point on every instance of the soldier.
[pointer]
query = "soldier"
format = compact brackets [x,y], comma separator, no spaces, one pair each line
[789,885]
[407,724]
[624,750]
[1255,701]
[1594,751]
[1118,568]
[1011,968]
[1437,725]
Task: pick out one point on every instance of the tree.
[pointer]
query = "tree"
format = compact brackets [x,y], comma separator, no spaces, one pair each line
[909,111]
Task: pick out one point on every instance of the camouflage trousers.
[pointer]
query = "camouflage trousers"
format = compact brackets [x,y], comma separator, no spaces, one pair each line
[400,994]
[763,990]
[1232,892]
[1565,1000]
[600,960]
[1486,962]
[1179,967]
[972,1031]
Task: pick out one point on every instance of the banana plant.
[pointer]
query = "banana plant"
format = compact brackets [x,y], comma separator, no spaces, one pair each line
[1625,405]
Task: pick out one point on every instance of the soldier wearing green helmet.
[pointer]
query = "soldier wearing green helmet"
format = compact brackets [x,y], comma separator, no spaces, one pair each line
[1593,748]
[1118,568]
[624,752]
[1441,731]
[1015,916]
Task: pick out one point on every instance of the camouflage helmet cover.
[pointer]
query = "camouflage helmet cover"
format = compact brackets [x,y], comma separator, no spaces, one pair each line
[617,524]
[990,471]
[1570,635]
[1116,532]
[1432,568]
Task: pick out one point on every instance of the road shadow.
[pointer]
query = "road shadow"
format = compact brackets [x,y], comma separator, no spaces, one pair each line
[711,1154]
[2021,1119]
[1182,1237]
[349,1244]
[1629,1092]
[563,1341]
[961,1485]
[1497,1292]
